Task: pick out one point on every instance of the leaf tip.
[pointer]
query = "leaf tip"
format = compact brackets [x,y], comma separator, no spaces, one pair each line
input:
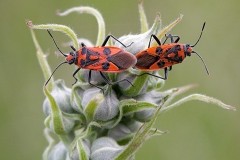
[231,107]
[158,16]
[140,2]
[29,23]
[181,16]
[58,13]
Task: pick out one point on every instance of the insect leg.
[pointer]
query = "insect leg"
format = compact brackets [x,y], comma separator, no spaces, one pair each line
[105,78]
[164,78]
[122,80]
[83,45]
[107,38]
[73,48]
[166,72]
[89,80]
[177,39]
[113,83]
[171,38]
[74,73]
[156,39]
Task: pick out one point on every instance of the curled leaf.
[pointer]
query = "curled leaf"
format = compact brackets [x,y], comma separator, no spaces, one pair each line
[202,98]
[96,14]
[42,61]
[82,150]
[166,29]
[143,18]
[61,95]
[57,27]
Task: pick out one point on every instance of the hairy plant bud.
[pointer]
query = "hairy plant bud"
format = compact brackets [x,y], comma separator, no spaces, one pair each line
[105,148]
[100,107]
[62,96]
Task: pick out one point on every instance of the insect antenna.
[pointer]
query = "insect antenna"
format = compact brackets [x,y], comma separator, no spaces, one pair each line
[54,72]
[56,44]
[74,49]
[200,35]
[202,61]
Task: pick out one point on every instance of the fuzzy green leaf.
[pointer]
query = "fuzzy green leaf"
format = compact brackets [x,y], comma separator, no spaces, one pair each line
[166,29]
[57,119]
[143,18]
[57,27]
[76,99]
[139,138]
[92,106]
[56,114]
[200,97]
[81,150]
[146,129]
[155,132]
[137,106]
[138,85]
[42,61]
[51,142]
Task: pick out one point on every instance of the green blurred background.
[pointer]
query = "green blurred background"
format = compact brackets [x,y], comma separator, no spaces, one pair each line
[197,131]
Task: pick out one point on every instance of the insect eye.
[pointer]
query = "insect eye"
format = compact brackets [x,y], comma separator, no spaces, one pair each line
[71,58]
[71,61]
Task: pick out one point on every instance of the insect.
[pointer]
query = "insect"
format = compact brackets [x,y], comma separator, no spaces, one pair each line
[165,56]
[103,58]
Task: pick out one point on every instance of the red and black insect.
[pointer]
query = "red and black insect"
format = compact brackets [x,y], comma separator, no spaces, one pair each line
[103,58]
[165,56]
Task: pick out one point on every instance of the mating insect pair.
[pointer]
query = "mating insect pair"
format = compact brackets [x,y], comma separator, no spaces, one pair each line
[113,59]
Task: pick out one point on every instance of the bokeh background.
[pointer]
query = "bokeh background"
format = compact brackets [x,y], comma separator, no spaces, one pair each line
[196,130]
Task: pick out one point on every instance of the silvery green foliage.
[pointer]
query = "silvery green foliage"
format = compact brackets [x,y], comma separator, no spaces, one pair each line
[85,123]
[105,148]
[62,94]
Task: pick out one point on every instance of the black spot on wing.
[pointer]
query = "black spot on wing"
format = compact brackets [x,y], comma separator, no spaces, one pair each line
[107,51]
[161,64]
[174,49]
[92,53]
[176,59]
[85,63]
[179,59]
[82,62]
[105,66]
[84,50]
[159,50]
[89,60]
